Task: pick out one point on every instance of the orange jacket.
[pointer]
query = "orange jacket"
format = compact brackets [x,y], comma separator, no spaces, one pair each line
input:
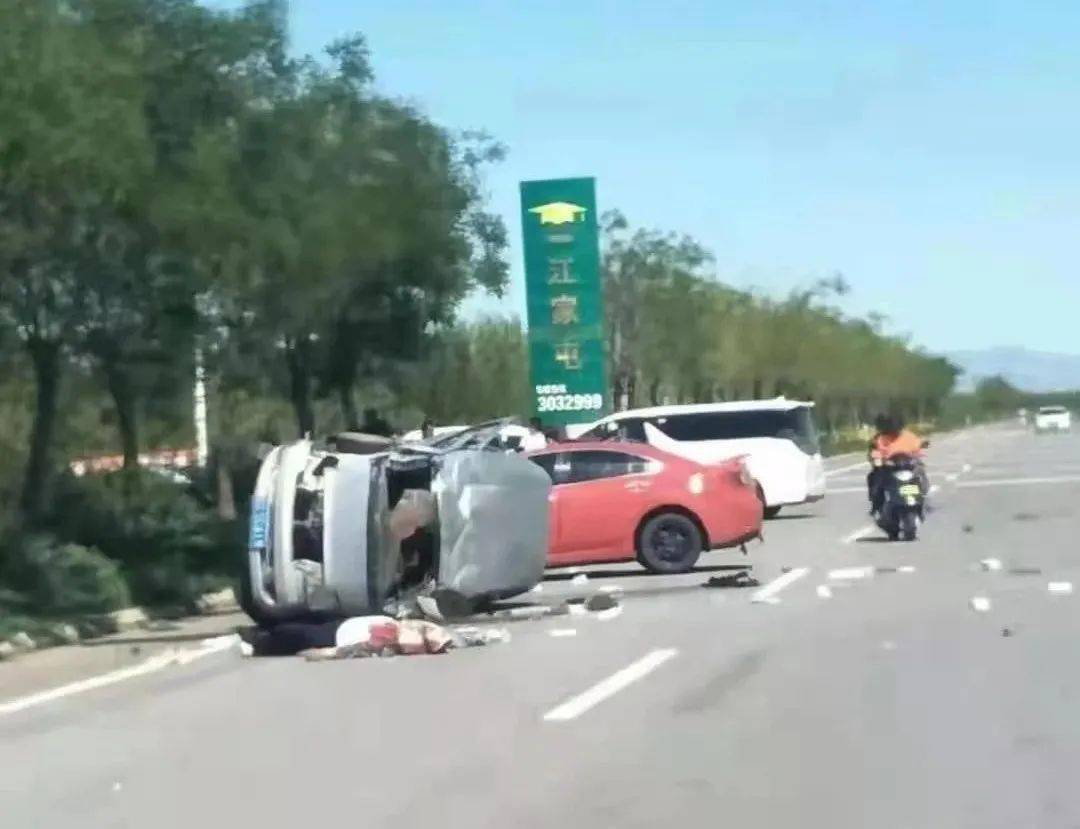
[905,442]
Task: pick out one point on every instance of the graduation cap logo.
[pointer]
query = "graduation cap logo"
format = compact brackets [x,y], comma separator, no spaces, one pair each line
[558,213]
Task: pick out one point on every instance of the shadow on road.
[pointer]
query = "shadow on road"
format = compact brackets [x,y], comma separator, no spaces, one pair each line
[640,571]
[802,516]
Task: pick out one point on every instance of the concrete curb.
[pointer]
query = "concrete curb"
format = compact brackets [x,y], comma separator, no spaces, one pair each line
[119,621]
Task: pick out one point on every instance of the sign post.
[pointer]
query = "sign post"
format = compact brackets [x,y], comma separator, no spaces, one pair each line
[565,300]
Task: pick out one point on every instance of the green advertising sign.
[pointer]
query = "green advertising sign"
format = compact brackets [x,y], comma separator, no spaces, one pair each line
[565,300]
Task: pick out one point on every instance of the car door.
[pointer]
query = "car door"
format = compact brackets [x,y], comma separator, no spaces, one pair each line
[599,502]
[557,467]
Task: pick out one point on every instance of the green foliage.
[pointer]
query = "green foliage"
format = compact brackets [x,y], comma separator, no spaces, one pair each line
[48,577]
[996,395]
[472,373]
[164,541]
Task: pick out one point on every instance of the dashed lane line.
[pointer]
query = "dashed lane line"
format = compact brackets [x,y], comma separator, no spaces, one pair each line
[770,590]
[607,688]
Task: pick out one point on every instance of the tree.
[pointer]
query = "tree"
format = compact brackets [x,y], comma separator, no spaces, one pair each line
[142,277]
[997,396]
[72,149]
[357,223]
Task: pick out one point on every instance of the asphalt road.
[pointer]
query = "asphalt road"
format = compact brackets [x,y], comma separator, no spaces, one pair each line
[890,703]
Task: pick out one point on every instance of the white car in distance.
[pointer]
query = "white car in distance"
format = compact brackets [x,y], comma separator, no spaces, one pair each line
[1053,419]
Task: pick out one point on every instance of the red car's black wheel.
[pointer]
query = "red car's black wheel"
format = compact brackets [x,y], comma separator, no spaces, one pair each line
[669,543]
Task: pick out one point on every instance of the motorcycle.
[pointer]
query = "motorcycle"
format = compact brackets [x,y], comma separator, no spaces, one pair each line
[903,505]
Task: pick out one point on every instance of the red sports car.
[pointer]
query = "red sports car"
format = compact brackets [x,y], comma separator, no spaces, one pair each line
[614,501]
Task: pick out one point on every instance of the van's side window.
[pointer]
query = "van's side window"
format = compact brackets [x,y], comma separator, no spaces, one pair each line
[627,428]
[796,425]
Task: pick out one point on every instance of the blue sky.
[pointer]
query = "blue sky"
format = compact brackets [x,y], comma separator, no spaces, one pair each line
[929,151]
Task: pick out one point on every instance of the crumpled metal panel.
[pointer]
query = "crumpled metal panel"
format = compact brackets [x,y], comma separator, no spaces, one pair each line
[493,523]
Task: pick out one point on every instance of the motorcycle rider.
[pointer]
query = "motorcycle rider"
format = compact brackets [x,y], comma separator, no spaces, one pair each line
[892,439]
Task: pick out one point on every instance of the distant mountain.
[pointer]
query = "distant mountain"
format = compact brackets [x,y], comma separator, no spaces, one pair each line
[1033,371]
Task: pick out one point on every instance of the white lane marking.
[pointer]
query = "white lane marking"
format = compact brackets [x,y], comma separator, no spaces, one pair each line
[906,568]
[859,533]
[848,573]
[991,564]
[935,489]
[561,633]
[980,604]
[966,468]
[824,591]
[607,688]
[831,472]
[846,490]
[1061,588]
[151,665]
[951,478]
[769,591]
[1062,479]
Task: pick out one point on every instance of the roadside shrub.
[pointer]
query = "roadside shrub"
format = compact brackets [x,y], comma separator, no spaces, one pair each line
[168,545]
[46,577]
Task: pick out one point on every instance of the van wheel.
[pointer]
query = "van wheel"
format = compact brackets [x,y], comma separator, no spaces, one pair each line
[669,543]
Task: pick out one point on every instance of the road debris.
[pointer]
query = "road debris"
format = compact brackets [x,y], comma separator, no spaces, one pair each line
[529,611]
[600,601]
[441,605]
[851,573]
[824,591]
[580,579]
[886,569]
[968,529]
[1060,588]
[1025,571]
[472,636]
[1026,516]
[1007,632]
[980,604]
[990,564]
[562,633]
[740,579]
